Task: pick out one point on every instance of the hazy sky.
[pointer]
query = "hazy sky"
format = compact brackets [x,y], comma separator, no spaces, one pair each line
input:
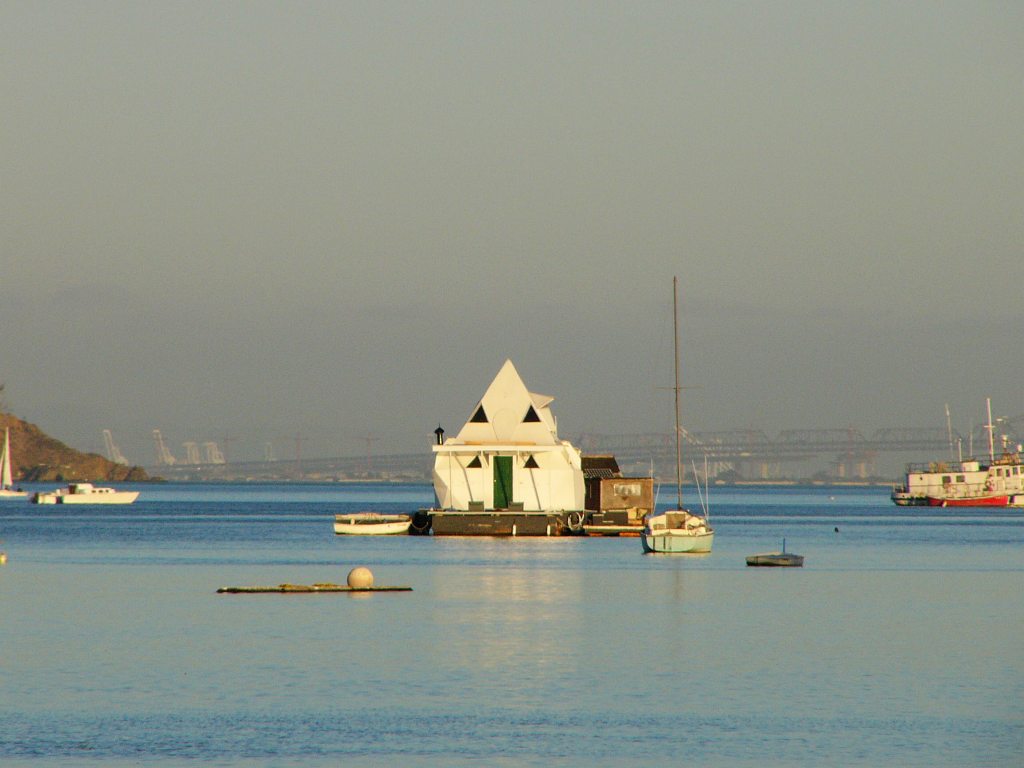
[338,219]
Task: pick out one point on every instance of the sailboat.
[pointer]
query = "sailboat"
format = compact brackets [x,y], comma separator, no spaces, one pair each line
[6,480]
[677,530]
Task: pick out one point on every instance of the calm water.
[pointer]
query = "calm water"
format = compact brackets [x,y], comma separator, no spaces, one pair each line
[898,643]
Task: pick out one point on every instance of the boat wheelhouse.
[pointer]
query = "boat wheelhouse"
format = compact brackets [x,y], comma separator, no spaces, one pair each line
[507,473]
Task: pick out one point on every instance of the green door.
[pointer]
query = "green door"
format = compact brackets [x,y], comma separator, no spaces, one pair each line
[502,481]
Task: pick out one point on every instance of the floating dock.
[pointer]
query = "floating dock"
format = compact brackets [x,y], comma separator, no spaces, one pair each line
[496,523]
[305,589]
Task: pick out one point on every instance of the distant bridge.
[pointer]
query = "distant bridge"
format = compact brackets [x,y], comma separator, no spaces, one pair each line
[752,453]
[789,445]
[749,453]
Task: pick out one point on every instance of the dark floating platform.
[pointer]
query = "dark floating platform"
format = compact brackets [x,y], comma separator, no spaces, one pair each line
[776,559]
[304,589]
[781,559]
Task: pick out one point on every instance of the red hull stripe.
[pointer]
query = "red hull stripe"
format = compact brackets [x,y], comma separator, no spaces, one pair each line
[979,501]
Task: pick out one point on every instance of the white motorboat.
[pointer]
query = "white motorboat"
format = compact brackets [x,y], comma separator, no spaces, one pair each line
[371,524]
[677,530]
[84,493]
[7,489]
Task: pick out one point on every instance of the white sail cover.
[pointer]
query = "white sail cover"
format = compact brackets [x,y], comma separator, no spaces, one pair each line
[5,461]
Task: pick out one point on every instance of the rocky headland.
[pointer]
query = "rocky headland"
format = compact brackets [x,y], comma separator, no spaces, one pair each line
[37,457]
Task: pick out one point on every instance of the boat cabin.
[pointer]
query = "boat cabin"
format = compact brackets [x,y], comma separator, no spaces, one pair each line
[611,498]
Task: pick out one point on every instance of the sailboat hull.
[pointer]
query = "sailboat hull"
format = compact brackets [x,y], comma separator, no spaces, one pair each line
[677,542]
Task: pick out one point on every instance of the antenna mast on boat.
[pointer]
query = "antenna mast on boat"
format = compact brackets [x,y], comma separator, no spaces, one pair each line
[949,433]
[991,441]
[675,338]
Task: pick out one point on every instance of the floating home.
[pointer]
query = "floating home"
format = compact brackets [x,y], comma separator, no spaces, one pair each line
[507,473]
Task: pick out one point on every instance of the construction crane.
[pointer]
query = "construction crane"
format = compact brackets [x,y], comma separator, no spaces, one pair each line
[213,454]
[191,452]
[163,456]
[299,440]
[370,440]
[113,452]
[227,440]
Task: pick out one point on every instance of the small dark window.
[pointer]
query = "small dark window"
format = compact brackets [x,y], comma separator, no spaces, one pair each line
[531,463]
[531,415]
[475,463]
[480,417]
[959,478]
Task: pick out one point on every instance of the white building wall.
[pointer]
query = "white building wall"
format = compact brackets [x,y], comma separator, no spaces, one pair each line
[557,483]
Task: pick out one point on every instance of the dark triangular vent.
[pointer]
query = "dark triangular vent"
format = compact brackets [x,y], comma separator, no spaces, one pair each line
[531,463]
[531,415]
[475,463]
[480,417]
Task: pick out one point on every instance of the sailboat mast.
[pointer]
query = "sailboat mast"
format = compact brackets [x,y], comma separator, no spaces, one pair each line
[949,433]
[675,339]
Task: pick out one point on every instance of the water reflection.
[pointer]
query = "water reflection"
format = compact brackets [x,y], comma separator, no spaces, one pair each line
[517,612]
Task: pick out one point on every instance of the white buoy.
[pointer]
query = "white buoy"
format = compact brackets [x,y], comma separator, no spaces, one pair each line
[360,578]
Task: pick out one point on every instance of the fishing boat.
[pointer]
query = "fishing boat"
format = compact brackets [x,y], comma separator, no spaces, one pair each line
[677,530]
[371,524]
[7,489]
[782,559]
[997,482]
[84,493]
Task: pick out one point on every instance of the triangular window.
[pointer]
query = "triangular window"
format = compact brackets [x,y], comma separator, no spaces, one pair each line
[474,464]
[531,415]
[480,417]
[531,463]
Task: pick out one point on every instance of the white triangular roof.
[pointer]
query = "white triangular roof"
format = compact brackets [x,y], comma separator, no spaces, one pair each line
[509,413]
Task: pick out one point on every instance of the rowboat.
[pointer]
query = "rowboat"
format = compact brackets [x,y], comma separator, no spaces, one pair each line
[371,524]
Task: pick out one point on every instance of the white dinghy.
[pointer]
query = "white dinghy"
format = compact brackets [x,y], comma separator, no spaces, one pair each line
[371,524]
